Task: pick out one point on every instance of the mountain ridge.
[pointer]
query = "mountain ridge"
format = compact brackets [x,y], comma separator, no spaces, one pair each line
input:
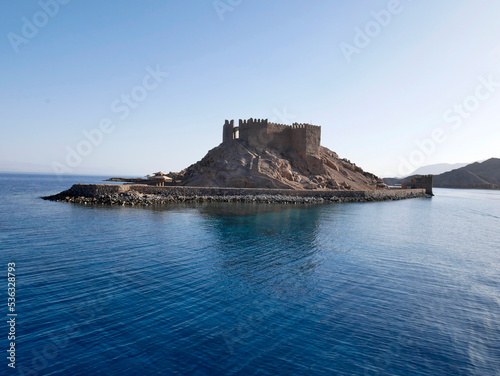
[477,175]
[437,169]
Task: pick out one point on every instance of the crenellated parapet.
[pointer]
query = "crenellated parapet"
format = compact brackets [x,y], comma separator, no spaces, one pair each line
[252,121]
[304,125]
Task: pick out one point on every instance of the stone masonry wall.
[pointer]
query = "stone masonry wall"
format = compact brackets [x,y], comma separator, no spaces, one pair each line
[304,139]
[228,131]
[95,190]
[313,139]
[254,132]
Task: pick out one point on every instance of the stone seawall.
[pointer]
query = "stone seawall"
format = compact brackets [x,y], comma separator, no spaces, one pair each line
[135,194]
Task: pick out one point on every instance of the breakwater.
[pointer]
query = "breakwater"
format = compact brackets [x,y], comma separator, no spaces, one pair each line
[136,194]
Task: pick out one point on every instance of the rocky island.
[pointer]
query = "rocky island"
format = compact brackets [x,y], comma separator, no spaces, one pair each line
[257,161]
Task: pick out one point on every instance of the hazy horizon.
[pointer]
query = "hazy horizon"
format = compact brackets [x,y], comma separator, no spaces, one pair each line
[4,169]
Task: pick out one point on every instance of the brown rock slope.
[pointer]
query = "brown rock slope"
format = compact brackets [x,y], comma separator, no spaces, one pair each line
[234,164]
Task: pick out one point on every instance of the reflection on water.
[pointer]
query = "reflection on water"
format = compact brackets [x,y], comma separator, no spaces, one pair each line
[271,248]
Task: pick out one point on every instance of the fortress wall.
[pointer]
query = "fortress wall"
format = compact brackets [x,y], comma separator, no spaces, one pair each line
[243,126]
[279,136]
[254,132]
[313,139]
[304,139]
[276,128]
[298,139]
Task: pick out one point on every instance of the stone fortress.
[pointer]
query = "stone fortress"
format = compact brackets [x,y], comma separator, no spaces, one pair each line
[266,155]
[261,154]
[302,139]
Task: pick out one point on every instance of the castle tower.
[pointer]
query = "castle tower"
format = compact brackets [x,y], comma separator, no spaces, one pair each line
[228,131]
[423,181]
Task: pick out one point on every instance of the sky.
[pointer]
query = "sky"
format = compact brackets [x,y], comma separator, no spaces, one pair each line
[127,88]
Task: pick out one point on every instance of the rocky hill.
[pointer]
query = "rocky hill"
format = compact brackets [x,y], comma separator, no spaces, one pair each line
[235,164]
[481,175]
[484,175]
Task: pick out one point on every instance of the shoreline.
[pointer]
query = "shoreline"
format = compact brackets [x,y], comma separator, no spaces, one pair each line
[144,195]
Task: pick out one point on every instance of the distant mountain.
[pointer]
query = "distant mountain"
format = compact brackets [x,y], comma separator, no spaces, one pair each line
[483,175]
[476,175]
[437,169]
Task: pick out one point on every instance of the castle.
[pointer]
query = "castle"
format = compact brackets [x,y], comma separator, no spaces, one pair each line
[303,139]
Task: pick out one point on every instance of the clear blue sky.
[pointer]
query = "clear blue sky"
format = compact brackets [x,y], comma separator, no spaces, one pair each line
[282,60]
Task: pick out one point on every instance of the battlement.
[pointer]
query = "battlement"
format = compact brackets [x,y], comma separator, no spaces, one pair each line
[260,133]
[253,121]
[304,125]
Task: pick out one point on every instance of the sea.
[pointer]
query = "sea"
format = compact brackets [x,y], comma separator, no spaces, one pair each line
[407,287]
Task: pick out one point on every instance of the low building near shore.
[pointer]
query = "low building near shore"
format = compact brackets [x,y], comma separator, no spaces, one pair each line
[160,178]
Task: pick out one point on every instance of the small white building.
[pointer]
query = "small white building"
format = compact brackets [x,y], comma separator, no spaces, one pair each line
[161,178]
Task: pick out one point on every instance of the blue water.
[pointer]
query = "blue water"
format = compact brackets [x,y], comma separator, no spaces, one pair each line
[392,288]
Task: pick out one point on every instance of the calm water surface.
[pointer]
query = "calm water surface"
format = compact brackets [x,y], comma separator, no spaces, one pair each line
[393,288]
